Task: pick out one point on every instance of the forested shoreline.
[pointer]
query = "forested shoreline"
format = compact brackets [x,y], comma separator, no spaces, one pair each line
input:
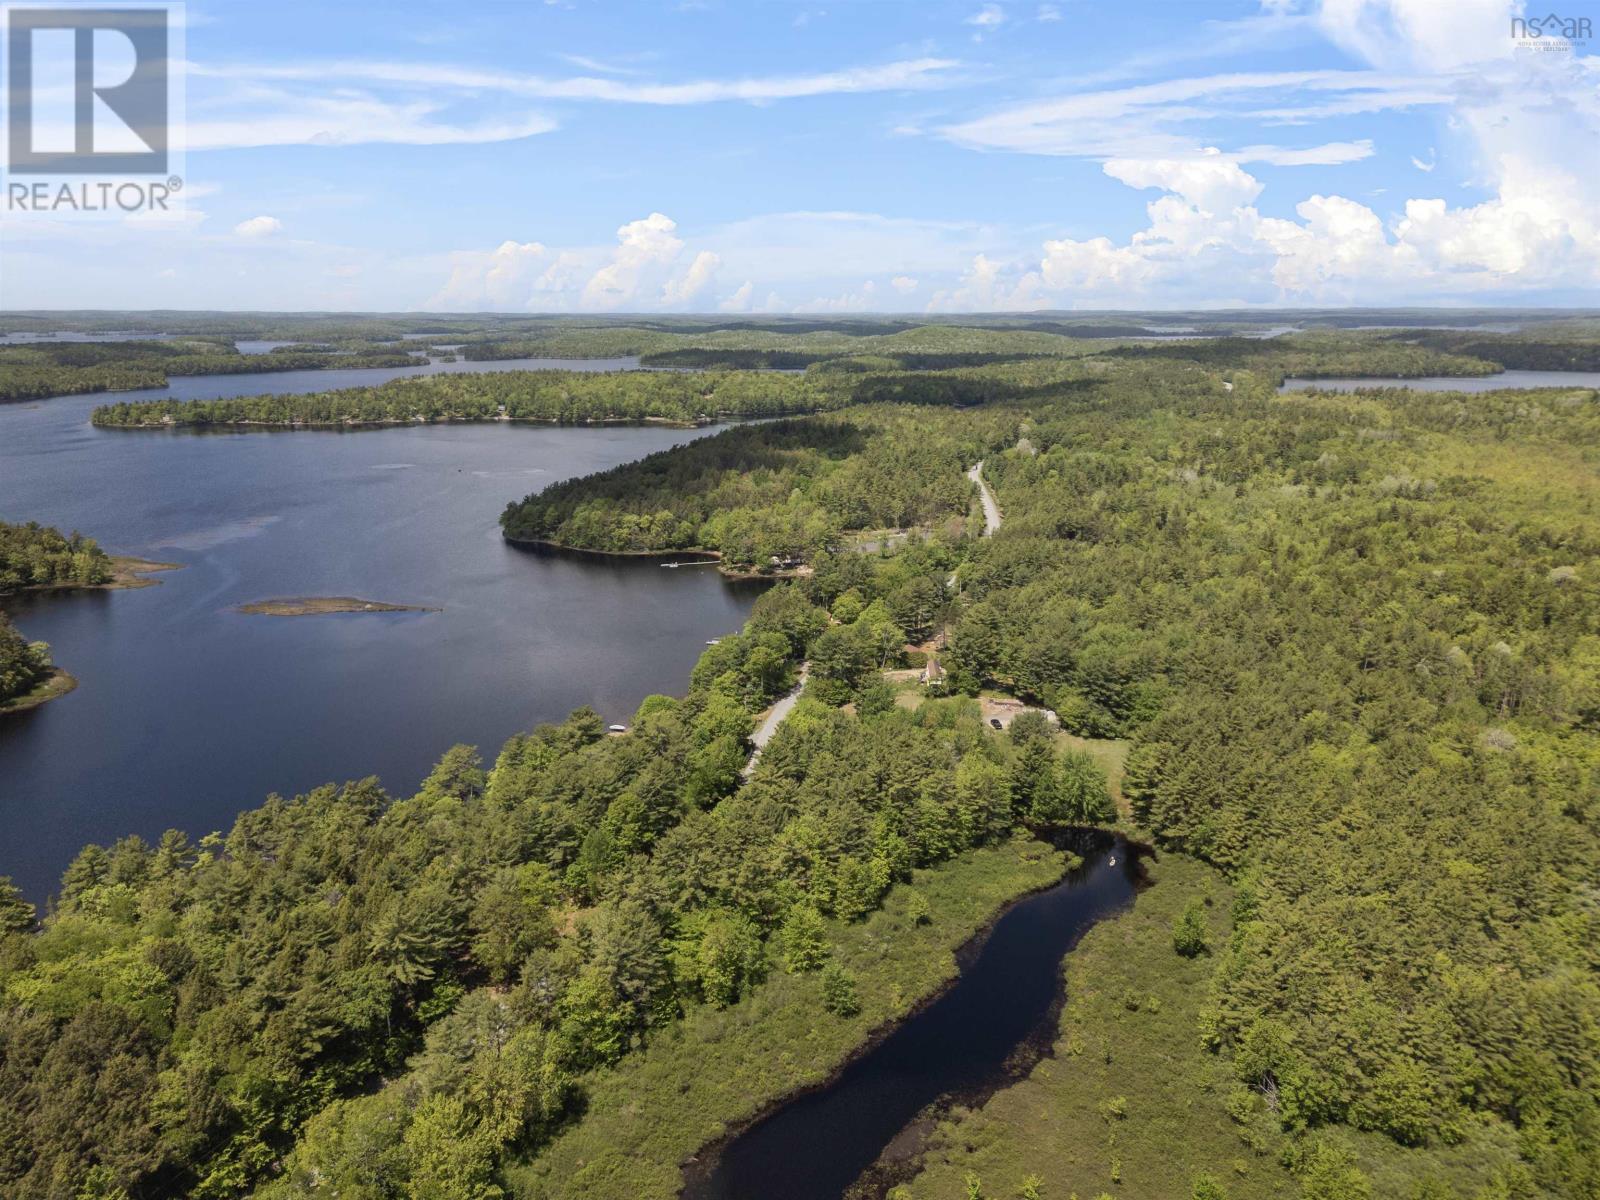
[562,397]
[40,370]
[37,556]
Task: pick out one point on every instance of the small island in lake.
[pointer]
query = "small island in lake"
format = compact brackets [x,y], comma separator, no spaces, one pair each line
[310,606]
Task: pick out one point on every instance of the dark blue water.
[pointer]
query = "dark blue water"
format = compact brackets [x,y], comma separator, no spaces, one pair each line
[187,712]
[996,1020]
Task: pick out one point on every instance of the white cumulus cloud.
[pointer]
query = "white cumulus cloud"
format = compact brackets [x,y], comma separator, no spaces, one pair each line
[258,227]
[642,247]
[692,282]
[850,301]
[502,278]
[739,299]
[1205,234]
[1521,121]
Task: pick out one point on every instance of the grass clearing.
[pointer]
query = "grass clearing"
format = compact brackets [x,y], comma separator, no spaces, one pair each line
[1110,754]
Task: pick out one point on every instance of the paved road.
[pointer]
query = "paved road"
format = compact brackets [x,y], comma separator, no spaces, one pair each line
[991,510]
[774,718]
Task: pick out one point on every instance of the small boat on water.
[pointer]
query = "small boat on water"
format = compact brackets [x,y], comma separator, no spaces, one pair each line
[672,566]
[714,642]
[617,729]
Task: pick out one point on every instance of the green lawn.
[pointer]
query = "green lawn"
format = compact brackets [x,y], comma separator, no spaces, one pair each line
[1110,753]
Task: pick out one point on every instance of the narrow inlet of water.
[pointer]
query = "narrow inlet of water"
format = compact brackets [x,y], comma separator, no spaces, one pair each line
[992,1025]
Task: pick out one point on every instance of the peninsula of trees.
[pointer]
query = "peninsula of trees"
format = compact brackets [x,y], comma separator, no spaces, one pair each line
[564,397]
[781,492]
[25,669]
[37,556]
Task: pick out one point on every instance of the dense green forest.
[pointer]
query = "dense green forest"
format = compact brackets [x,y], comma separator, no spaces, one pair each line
[1319,355]
[1541,350]
[786,491]
[23,381]
[751,345]
[1328,635]
[35,555]
[1351,643]
[1360,667]
[930,347]
[490,942]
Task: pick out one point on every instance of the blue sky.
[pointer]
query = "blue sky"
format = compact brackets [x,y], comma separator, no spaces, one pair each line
[864,155]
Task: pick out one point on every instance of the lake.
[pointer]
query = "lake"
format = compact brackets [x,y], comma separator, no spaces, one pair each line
[64,335]
[257,346]
[990,1028]
[187,712]
[1453,383]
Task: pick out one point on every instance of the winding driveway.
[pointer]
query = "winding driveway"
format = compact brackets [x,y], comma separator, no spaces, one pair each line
[991,510]
[774,718]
